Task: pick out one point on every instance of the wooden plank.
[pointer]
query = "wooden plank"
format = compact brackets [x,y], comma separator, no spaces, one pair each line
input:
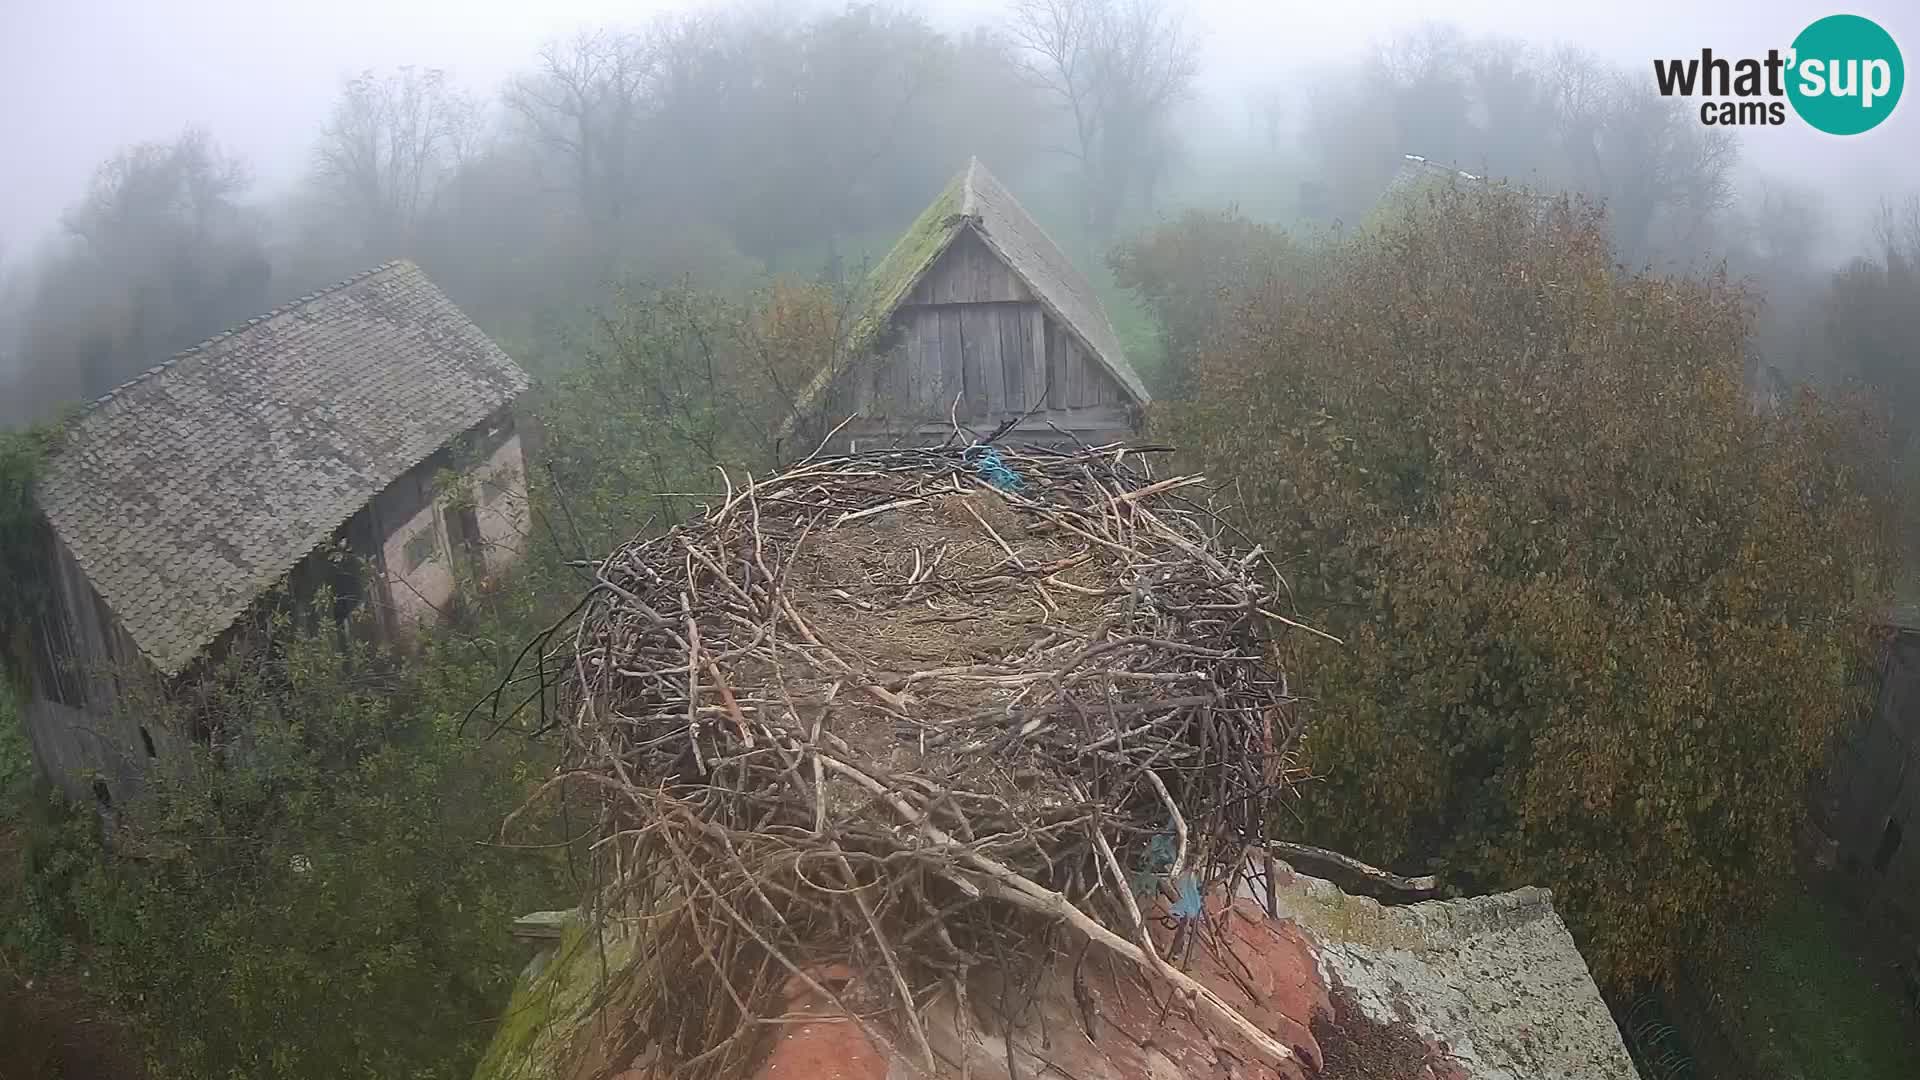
[924,372]
[1088,383]
[1101,387]
[947,274]
[1056,367]
[952,371]
[967,270]
[970,273]
[980,338]
[1014,355]
[892,389]
[1073,367]
[1034,364]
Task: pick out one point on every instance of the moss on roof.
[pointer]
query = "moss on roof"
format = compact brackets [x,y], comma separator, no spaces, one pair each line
[896,274]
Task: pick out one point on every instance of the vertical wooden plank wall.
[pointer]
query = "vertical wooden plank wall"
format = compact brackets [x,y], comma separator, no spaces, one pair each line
[972,328]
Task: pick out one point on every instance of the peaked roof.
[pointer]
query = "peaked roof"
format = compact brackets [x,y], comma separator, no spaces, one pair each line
[188,491]
[977,201]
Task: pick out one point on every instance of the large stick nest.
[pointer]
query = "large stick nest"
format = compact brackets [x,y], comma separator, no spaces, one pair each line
[880,723]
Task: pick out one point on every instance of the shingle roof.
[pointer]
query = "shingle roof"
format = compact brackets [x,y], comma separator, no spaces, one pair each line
[186,492]
[976,200]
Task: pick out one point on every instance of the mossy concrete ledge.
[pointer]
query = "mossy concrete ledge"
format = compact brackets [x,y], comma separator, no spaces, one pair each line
[555,996]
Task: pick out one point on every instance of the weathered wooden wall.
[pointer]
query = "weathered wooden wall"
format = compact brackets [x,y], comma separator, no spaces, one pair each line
[83,665]
[971,341]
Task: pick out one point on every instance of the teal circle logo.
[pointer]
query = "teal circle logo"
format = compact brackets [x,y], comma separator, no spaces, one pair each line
[1846,74]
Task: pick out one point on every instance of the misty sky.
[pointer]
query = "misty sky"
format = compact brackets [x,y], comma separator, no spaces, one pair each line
[81,78]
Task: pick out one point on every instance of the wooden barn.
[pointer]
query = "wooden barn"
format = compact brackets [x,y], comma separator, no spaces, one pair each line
[976,316]
[174,504]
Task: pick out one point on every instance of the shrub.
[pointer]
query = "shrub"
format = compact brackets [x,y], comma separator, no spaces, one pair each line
[674,382]
[1188,272]
[312,890]
[1601,618]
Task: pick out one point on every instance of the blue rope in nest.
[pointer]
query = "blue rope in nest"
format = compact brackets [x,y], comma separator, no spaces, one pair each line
[1158,859]
[987,462]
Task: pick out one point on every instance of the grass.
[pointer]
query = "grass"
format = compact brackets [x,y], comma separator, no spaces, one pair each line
[1807,997]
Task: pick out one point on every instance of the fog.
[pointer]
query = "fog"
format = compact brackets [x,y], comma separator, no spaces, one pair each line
[87,77]
[1256,121]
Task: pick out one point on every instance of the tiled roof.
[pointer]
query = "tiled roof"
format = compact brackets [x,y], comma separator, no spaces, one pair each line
[188,491]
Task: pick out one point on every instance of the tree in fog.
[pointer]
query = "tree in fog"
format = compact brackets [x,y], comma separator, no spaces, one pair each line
[1267,113]
[1114,68]
[1871,322]
[1556,120]
[767,139]
[159,255]
[848,96]
[584,101]
[388,153]
[1662,174]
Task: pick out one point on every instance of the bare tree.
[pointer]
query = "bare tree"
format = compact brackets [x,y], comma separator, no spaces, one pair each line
[859,82]
[1267,112]
[585,101]
[388,152]
[1663,176]
[1115,68]
[160,255]
[1896,231]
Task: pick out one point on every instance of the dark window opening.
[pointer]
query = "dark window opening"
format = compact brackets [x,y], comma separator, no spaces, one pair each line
[101,794]
[1889,843]
[146,740]
[419,550]
[469,541]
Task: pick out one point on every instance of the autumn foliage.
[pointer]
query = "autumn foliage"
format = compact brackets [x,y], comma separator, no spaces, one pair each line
[1602,612]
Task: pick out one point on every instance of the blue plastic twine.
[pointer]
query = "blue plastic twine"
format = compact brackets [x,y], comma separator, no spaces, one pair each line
[1157,860]
[987,462]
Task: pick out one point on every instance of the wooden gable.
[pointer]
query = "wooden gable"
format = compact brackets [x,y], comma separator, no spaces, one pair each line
[971,328]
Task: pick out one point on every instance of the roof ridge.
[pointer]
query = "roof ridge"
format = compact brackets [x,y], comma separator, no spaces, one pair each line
[195,350]
[968,199]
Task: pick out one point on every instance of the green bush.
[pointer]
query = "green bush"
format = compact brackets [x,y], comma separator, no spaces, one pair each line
[1188,273]
[1600,615]
[311,889]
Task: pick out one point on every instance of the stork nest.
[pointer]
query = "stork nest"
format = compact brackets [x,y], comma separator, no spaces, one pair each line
[879,723]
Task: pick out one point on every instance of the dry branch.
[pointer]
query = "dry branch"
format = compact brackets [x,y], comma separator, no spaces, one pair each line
[874,715]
